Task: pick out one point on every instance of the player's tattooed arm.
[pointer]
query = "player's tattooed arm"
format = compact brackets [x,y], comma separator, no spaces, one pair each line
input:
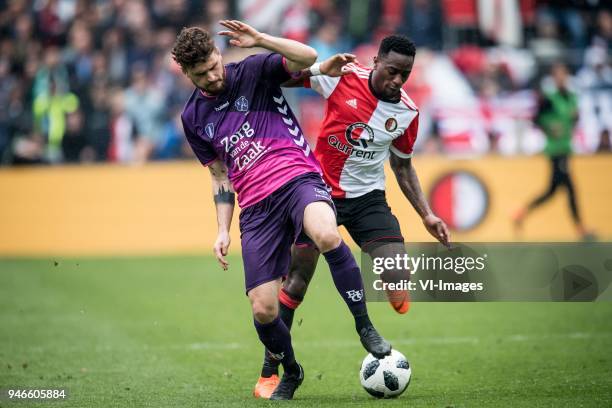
[223,194]
[411,187]
[334,66]
[298,55]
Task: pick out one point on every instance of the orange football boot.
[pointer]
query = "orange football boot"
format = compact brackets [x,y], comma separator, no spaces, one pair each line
[265,386]
[399,300]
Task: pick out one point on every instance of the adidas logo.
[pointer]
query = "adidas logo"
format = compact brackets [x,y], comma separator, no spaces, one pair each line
[352,103]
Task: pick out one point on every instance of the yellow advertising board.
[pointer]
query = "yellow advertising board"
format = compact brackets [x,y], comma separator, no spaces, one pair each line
[166,208]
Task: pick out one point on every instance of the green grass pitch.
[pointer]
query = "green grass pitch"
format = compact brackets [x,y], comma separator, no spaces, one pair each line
[177,332]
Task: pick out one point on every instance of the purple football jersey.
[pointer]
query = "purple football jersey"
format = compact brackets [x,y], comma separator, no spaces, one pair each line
[250,127]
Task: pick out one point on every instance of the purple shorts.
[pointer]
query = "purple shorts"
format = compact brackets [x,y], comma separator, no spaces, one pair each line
[269,227]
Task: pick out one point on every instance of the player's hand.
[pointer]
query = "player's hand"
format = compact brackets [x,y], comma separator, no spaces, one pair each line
[335,65]
[437,228]
[241,35]
[221,247]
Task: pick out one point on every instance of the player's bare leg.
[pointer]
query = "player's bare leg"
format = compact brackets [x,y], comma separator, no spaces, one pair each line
[399,299]
[303,264]
[275,336]
[320,226]
[263,301]
[304,259]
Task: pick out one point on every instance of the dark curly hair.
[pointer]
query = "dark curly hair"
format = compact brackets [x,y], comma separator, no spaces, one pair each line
[398,43]
[192,46]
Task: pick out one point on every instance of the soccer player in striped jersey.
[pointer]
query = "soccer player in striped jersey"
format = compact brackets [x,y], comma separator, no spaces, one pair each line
[369,118]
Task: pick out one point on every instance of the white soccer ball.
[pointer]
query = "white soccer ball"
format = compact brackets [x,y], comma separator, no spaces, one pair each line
[387,377]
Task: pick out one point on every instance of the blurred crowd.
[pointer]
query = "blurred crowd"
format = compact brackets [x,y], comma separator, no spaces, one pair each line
[93,80]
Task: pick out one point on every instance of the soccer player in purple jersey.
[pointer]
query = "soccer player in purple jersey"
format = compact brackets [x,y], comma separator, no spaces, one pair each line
[240,126]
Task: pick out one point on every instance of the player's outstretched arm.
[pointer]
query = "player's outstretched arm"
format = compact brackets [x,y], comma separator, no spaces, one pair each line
[334,66]
[223,194]
[411,187]
[298,55]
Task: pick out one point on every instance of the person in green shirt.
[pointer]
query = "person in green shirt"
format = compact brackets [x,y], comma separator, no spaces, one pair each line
[557,115]
[50,110]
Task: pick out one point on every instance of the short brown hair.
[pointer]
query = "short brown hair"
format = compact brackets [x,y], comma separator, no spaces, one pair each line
[192,46]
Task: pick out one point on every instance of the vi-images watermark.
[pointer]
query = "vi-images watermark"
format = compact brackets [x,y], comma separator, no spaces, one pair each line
[395,272]
[497,271]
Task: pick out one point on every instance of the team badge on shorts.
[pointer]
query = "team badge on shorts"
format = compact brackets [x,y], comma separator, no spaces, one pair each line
[391,124]
[321,193]
[242,104]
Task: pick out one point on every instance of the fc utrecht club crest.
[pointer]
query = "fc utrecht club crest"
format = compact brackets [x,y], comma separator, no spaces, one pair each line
[355,295]
[210,130]
[242,104]
[391,124]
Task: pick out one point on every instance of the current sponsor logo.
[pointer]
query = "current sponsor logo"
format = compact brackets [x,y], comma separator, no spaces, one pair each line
[352,103]
[349,149]
[359,134]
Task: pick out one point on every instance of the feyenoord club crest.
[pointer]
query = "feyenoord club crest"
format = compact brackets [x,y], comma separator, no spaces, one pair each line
[461,198]
[391,124]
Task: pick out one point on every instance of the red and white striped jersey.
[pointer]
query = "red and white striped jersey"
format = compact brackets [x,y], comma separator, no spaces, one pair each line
[358,132]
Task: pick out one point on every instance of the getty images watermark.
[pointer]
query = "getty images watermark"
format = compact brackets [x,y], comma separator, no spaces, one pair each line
[402,266]
[490,272]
